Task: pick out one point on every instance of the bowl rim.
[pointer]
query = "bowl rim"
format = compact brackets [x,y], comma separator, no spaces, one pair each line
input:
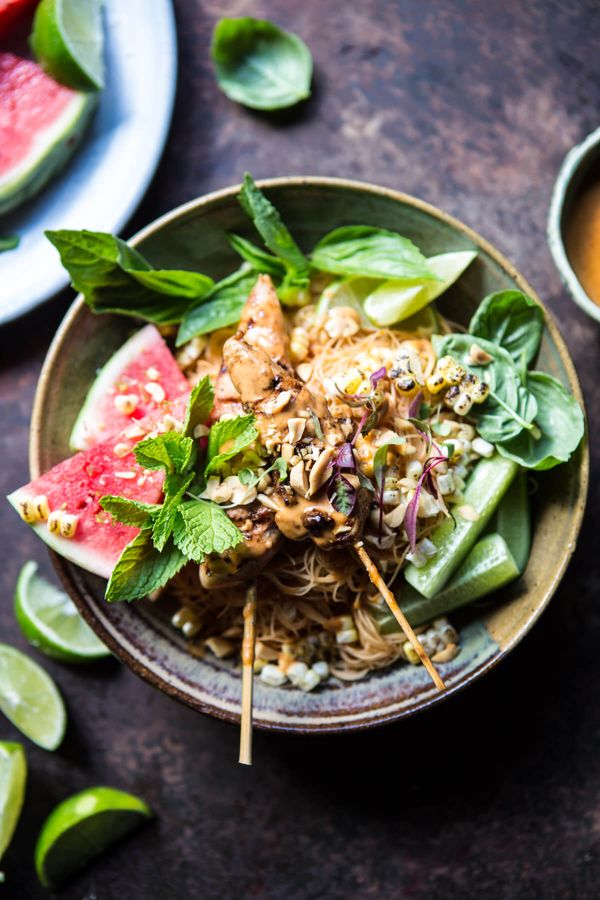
[569,168]
[144,668]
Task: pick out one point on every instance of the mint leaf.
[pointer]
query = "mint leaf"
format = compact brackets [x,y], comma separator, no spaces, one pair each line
[129,512]
[114,277]
[200,404]
[142,569]
[172,452]
[250,478]
[201,527]
[227,438]
[162,527]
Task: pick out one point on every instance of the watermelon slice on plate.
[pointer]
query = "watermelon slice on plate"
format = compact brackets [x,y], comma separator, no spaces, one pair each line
[41,124]
[63,505]
[141,377]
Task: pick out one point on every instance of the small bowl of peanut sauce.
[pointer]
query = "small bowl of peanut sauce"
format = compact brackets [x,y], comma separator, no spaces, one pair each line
[574,223]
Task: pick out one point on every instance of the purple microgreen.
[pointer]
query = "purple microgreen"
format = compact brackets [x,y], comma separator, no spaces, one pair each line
[359,428]
[342,494]
[415,406]
[377,376]
[345,458]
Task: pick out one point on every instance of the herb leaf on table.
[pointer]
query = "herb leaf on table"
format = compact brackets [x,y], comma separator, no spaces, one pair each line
[260,65]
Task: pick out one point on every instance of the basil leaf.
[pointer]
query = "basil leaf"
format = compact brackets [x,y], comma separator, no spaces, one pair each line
[172,452]
[560,419]
[129,512]
[162,527]
[202,527]
[274,233]
[512,320]
[226,438]
[261,261]
[199,406]
[141,568]
[9,243]
[510,407]
[114,277]
[259,64]
[220,308]
[370,252]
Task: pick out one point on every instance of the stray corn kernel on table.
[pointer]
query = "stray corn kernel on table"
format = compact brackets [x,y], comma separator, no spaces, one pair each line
[472,107]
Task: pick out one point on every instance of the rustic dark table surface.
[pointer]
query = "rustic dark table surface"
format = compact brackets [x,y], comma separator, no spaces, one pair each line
[471,106]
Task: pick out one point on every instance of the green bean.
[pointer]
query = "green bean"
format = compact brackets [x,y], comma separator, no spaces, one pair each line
[488,567]
[453,539]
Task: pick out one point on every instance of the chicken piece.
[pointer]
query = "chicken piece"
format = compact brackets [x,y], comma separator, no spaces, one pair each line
[263,326]
[262,540]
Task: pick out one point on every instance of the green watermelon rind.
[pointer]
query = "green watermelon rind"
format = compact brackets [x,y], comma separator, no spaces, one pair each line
[86,558]
[104,381]
[53,148]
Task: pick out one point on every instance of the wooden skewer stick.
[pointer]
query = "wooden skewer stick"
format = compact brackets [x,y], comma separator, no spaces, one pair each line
[403,622]
[248,643]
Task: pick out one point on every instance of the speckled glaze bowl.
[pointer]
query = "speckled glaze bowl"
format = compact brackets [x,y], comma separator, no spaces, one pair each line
[191,237]
[574,172]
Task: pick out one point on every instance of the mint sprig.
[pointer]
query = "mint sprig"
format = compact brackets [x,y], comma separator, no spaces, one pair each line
[202,527]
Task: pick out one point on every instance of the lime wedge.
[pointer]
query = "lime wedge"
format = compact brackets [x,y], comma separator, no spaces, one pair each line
[394,301]
[13,773]
[68,40]
[30,699]
[81,827]
[50,621]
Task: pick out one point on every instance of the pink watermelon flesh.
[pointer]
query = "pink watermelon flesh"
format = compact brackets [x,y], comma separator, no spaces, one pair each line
[127,372]
[29,102]
[77,484]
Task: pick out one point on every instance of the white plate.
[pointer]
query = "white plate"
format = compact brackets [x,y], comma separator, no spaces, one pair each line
[105,180]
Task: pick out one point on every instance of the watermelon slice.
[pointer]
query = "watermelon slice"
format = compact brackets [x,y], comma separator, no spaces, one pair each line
[137,380]
[74,487]
[41,123]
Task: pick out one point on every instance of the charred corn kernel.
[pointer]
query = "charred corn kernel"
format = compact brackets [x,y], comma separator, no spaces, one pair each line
[191,627]
[447,373]
[156,391]
[482,448]
[220,647]
[121,450]
[181,616]
[403,374]
[410,653]
[272,675]
[296,672]
[42,507]
[54,521]
[28,512]
[299,344]
[68,525]
[462,404]
[321,668]
[309,681]
[348,636]
[414,468]
[126,403]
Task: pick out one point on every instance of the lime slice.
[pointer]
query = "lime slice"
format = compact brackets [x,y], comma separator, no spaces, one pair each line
[50,621]
[81,827]
[13,773]
[394,301]
[68,39]
[30,699]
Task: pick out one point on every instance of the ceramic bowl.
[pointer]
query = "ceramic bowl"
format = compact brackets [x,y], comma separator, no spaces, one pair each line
[140,634]
[576,168]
